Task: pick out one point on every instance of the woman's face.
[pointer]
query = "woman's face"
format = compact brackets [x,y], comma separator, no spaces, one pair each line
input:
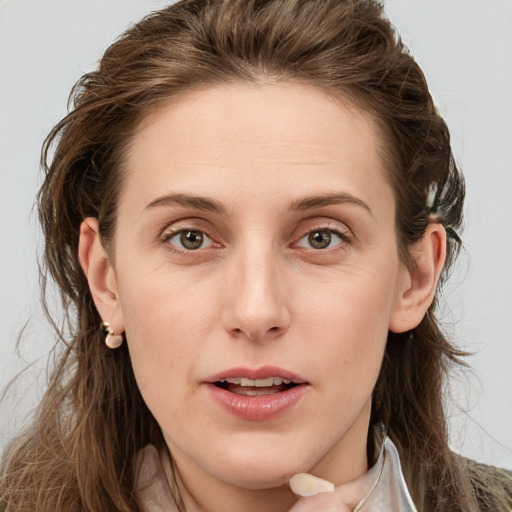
[256,240]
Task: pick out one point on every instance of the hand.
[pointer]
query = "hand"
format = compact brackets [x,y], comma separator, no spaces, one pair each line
[323,502]
[318,495]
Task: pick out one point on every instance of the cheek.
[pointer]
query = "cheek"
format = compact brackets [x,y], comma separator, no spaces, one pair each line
[347,327]
[162,306]
[355,306]
[166,324]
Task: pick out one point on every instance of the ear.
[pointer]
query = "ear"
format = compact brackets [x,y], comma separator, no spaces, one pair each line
[418,284]
[100,275]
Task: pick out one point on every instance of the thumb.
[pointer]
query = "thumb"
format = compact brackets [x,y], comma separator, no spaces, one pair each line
[323,502]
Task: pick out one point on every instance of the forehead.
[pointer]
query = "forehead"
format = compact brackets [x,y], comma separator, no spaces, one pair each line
[287,133]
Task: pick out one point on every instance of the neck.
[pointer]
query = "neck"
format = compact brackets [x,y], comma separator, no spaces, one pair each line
[276,499]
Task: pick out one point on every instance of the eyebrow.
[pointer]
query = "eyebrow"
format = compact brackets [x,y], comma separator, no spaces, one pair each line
[199,203]
[318,201]
[211,205]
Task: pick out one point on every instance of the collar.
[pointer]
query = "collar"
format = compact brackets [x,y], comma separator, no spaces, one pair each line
[389,490]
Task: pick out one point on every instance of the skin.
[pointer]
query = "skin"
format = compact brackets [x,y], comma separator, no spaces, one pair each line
[257,292]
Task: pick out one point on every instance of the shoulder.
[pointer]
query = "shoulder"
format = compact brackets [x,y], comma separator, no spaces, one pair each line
[492,486]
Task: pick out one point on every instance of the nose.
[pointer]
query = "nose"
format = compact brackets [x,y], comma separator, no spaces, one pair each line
[256,305]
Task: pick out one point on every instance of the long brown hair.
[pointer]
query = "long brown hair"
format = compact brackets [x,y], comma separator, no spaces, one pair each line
[80,453]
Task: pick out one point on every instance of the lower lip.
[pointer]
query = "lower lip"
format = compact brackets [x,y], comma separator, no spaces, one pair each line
[258,408]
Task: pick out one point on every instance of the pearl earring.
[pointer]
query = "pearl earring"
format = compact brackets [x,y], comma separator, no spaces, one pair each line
[112,340]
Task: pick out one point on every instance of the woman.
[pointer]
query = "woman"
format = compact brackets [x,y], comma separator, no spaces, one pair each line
[248,212]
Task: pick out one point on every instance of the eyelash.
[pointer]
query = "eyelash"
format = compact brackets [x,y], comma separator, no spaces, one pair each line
[169,235]
[344,238]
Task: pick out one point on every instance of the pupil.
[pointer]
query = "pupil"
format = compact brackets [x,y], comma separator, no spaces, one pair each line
[191,239]
[320,239]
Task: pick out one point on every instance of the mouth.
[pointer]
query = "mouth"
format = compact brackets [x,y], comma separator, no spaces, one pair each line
[257,395]
[255,387]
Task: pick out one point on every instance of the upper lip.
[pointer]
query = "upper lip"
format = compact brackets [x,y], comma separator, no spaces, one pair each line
[263,372]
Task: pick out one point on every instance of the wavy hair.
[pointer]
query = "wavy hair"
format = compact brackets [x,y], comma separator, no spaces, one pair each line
[80,452]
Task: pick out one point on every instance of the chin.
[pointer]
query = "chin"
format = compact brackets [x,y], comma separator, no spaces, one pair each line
[262,468]
[255,479]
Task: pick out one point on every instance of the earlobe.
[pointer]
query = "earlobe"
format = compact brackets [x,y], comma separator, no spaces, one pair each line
[418,283]
[100,274]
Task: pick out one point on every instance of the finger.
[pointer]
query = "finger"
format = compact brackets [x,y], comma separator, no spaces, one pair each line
[323,502]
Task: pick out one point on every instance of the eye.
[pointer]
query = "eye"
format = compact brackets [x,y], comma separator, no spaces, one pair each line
[190,240]
[321,239]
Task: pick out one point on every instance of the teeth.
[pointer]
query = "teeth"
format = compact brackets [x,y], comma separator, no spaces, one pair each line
[256,392]
[264,383]
[258,383]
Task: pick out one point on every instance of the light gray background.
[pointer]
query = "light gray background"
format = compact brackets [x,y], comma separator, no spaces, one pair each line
[465,49]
